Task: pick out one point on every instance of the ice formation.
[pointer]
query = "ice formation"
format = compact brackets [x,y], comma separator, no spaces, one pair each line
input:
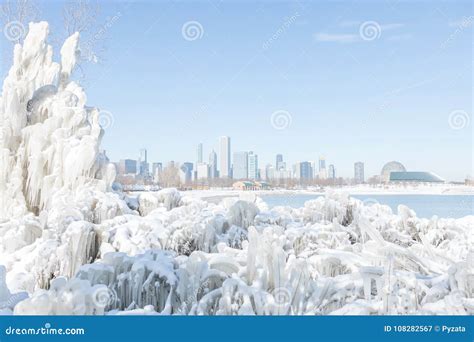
[70,244]
[50,138]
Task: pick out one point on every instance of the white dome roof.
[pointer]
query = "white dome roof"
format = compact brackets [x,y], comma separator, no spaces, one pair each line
[389,167]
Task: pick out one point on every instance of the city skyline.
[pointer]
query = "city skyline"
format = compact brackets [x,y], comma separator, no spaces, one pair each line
[330,168]
[245,165]
[339,93]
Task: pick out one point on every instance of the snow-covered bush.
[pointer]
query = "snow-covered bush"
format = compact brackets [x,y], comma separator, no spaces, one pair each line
[73,297]
[166,198]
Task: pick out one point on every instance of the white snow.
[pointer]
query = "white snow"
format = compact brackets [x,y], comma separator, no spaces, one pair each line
[73,245]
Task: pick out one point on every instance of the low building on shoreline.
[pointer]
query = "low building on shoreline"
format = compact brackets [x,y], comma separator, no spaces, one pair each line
[251,185]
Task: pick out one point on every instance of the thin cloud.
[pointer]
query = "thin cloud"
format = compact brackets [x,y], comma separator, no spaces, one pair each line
[356,23]
[352,37]
[337,38]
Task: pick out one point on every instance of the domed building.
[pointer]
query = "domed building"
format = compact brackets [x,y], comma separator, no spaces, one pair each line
[415,177]
[395,172]
[390,167]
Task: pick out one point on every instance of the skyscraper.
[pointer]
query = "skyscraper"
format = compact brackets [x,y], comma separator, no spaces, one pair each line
[202,171]
[269,172]
[322,168]
[127,166]
[240,166]
[359,172]
[142,168]
[303,171]
[213,164]
[279,162]
[252,166]
[331,172]
[322,163]
[314,166]
[156,167]
[199,153]
[186,172]
[224,145]
[157,170]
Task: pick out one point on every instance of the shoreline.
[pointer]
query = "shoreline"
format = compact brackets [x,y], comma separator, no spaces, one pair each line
[213,194]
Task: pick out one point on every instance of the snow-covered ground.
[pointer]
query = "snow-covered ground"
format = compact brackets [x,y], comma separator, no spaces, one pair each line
[71,242]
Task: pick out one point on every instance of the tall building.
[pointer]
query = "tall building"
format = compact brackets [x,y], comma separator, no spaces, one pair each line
[143,169]
[224,146]
[359,172]
[269,172]
[240,165]
[186,172]
[322,163]
[279,162]
[303,171]
[314,166]
[331,172]
[262,173]
[127,166]
[157,170]
[213,164]
[199,153]
[282,174]
[322,168]
[253,166]
[202,171]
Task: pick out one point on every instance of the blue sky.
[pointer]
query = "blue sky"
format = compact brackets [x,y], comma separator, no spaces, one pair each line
[349,98]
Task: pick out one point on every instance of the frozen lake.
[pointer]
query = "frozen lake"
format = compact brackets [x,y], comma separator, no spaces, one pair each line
[453,206]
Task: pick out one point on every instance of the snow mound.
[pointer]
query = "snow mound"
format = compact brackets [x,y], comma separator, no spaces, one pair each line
[8,300]
[166,198]
[73,297]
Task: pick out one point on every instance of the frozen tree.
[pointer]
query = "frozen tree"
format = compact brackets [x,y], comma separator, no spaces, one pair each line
[83,16]
[170,176]
[80,16]
[14,17]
